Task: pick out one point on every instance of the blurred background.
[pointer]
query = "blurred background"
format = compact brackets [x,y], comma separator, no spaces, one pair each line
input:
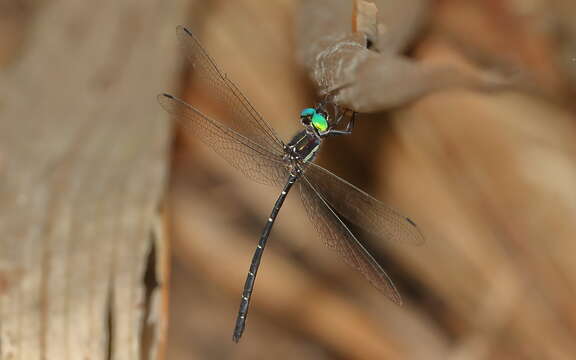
[488,173]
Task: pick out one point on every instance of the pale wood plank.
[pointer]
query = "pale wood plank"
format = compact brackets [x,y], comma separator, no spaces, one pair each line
[82,168]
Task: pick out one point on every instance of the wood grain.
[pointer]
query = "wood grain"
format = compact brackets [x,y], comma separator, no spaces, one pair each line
[82,168]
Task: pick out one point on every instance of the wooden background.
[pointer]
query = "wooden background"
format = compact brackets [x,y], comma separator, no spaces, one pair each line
[108,219]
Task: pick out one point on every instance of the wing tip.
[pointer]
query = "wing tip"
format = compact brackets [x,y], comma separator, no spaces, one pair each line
[390,291]
[182,28]
[393,294]
[184,33]
[164,97]
[420,239]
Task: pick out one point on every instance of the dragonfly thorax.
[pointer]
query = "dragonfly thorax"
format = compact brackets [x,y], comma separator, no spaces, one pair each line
[303,147]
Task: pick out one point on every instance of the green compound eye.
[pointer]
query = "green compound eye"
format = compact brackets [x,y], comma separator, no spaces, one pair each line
[308,112]
[319,122]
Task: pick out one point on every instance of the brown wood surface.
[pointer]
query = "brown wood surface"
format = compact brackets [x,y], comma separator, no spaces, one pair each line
[83,261]
[488,176]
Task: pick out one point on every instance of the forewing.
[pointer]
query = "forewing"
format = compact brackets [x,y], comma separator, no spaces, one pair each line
[362,209]
[244,119]
[337,236]
[253,160]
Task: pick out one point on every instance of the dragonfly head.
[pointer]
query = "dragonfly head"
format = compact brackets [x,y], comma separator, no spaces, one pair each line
[314,118]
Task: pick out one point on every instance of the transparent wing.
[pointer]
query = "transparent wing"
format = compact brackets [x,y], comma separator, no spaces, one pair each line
[362,209]
[253,160]
[337,236]
[244,119]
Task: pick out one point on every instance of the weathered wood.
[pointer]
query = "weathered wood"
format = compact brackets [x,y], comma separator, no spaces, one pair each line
[380,78]
[82,170]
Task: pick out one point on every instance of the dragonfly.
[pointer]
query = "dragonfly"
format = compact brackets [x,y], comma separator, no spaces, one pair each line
[251,146]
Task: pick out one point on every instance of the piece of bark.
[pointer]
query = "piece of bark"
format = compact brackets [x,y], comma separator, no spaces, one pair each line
[365,19]
[368,81]
[82,169]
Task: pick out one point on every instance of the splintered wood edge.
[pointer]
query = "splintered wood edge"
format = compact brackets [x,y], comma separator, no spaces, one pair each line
[82,172]
[365,19]
[364,80]
[157,289]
